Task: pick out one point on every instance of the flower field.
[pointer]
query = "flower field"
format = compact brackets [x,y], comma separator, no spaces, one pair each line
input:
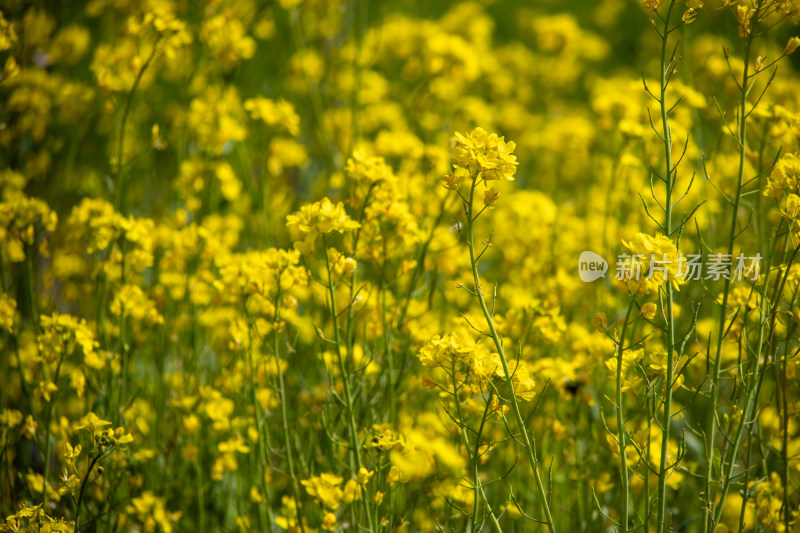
[351,265]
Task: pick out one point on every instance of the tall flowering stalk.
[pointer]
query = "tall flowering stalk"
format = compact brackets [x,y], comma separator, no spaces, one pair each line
[665,71]
[753,18]
[482,157]
[665,26]
[314,221]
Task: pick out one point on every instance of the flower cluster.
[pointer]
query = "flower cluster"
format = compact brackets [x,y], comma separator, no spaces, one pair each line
[658,259]
[316,220]
[485,156]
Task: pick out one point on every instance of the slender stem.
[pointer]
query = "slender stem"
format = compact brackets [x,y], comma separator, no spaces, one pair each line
[785,457]
[743,509]
[47,451]
[48,447]
[753,392]
[260,425]
[348,397]
[284,412]
[651,405]
[527,438]
[123,341]
[621,437]
[714,382]
[390,363]
[83,489]
[32,294]
[37,330]
[473,457]
[669,176]
[117,171]
[201,502]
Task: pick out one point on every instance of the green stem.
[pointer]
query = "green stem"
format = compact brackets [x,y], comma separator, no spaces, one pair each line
[262,453]
[661,519]
[527,438]
[753,392]
[390,365]
[742,141]
[47,451]
[621,437]
[477,487]
[201,503]
[48,447]
[83,489]
[475,473]
[284,411]
[123,358]
[743,509]
[117,171]
[32,293]
[348,397]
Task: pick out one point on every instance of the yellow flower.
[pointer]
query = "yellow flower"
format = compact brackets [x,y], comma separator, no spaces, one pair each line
[743,15]
[341,266]
[325,488]
[46,390]
[227,39]
[8,37]
[648,310]
[216,117]
[131,302]
[322,217]
[364,476]
[524,386]
[454,178]
[490,197]
[629,358]
[785,175]
[329,521]
[689,15]
[351,492]
[21,220]
[274,113]
[369,170]
[658,362]
[318,219]
[651,5]
[10,418]
[8,313]
[37,484]
[29,429]
[791,46]
[792,208]
[152,513]
[446,349]
[659,261]
[233,445]
[486,156]
[121,436]
[385,438]
[91,423]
